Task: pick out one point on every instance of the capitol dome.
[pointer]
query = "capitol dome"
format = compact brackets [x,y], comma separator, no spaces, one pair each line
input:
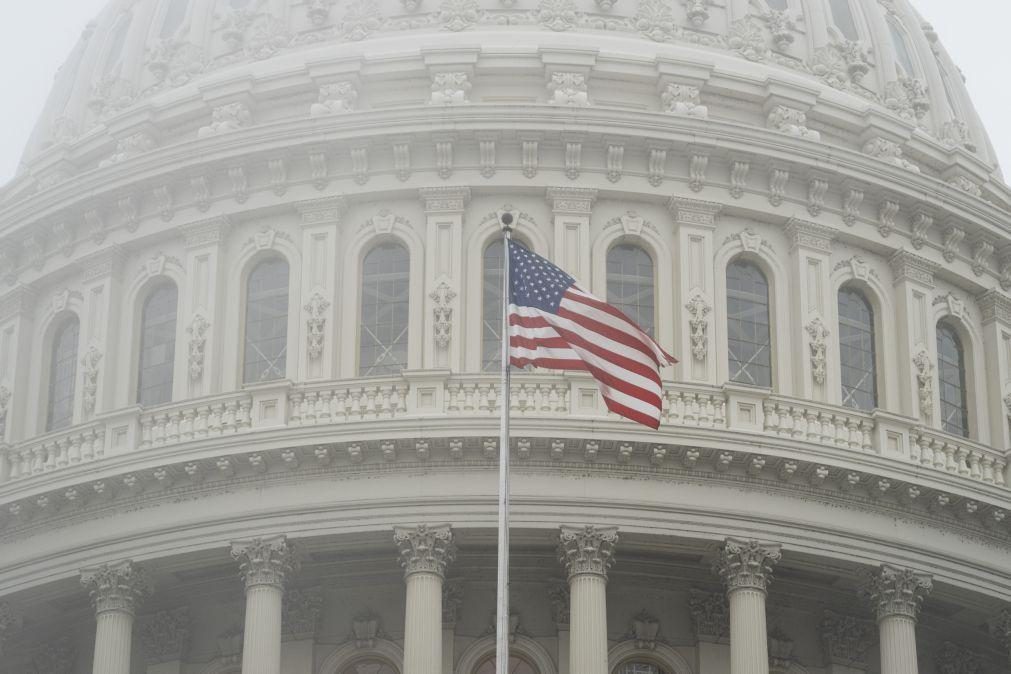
[250,296]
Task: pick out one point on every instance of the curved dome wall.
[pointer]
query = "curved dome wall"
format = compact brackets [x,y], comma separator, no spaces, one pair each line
[249,293]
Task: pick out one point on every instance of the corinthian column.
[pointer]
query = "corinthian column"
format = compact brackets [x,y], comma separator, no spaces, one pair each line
[587,553]
[116,589]
[746,569]
[425,552]
[895,595]
[265,564]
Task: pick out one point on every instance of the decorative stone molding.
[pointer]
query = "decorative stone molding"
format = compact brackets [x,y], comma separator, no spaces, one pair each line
[921,223]
[817,188]
[739,170]
[912,267]
[265,561]
[697,165]
[442,313]
[683,99]
[887,210]
[698,311]
[846,639]
[425,548]
[747,39]
[1000,628]
[568,88]
[90,362]
[329,210]
[955,133]
[587,549]
[749,239]
[818,334]
[132,146]
[803,234]
[365,627]
[226,118]
[697,11]
[644,629]
[907,97]
[966,184]
[452,600]
[196,346]
[894,591]
[165,635]
[315,325]
[116,587]
[924,368]
[710,615]
[206,232]
[571,200]
[300,613]
[779,178]
[889,152]
[782,26]
[951,240]
[791,121]
[384,221]
[747,564]
[450,88]
[994,306]
[559,598]
[955,659]
[694,212]
[853,197]
[445,199]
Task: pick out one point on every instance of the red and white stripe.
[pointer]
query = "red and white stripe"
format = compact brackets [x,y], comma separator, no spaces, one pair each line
[587,334]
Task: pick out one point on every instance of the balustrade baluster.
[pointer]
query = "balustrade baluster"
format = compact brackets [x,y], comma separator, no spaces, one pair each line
[203,414]
[146,424]
[186,426]
[173,426]
[214,421]
[245,413]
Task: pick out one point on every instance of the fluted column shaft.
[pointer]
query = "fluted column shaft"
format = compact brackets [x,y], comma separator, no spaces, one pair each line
[587,553]
[265,564]
[425,552]
[746,568]
[895,595]
[115,589]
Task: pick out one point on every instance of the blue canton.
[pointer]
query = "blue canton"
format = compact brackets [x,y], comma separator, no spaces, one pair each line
[535,282]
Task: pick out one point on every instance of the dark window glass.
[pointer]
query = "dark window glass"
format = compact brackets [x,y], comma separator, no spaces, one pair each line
[116,43]
[856,350]
[517,665]
[266,329]
[63,376]
[157,346]
[951,378]
[749,340]
[174,16]
[630,284]
[370,666]
[842,15]
[901,49]
[384,319]
[491,309]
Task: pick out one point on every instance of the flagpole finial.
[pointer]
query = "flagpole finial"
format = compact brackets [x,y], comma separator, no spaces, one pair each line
[506,220]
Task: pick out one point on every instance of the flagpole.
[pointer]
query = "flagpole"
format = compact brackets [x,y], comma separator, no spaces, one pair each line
[502,604]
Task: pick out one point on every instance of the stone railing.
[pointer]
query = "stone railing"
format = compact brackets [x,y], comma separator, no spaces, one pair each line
[423,395]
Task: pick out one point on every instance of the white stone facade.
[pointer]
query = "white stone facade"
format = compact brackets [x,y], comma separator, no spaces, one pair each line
[257,527]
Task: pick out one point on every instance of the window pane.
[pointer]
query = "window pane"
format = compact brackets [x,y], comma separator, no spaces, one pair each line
[174,15]
[491,311]
[370,667]
[856,351]
[63,376]
[630,284]
[749,338]
[385,291]
[951,380]
[157,346]
[901,49]
[842,15]
[517,665]
[266,334]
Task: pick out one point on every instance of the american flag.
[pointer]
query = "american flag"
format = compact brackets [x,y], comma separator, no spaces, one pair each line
[553,323]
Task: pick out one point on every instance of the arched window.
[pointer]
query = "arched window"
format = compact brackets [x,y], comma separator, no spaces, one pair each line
[157,346]
[856,350]
[369,666]
[749,338]
[491,308]
[630,284]
[384,319]
[116,43]
[175,13]
[951,377]
[517,665]
[639,667]
[842,16]
[62,375]
[901,49]
[266,327]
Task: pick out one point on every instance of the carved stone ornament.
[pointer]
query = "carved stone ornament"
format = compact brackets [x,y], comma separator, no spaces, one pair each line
[782,26]
[747,39]
[57,657]
[425,548]
[890,152]
[335,98]
[316,324]
[300,613]
[131,146]
[361,19]
[225,118]
[452,599]
[457,15]
[450,88]
[925,381]
[587,549]
[90,361]
[955,659]
[365,628]
[818,334]
[568,89]
[846,639]
[747,564]
[5,401]
[557,15]
[698,311]
[197,331]
[697,11]
[265,561]
[897,592]
[116,587]
[165,635]
[644,629]
[710,615]
[683,99]
[442,311]
[792,122]
[559,598]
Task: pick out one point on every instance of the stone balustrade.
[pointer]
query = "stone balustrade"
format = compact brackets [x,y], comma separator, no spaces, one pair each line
[824,424]
[195,420]
[960,456]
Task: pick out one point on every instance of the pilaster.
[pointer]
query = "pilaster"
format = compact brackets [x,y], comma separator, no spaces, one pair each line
[995,307]
[695,290]
[98,348]
[811,294]
[571,208]
[444,209]
[913,279]
[201,310]
[16,327]
[317,339]
[452,597]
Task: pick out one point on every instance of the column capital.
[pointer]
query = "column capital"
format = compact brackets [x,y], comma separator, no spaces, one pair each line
[116,587]
[444,199]
[810,235]
[425,548]
[909,266]
[587,549]
[328,210]
[206,232]
[694,212]
[571,200]
[995,306]
[893,591]
[265,561]
[747,564]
